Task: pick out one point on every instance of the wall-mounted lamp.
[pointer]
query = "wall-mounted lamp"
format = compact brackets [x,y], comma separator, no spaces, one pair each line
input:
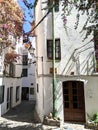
[31,51]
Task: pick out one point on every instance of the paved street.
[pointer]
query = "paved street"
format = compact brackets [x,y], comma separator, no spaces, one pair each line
[22,118]
[23,112]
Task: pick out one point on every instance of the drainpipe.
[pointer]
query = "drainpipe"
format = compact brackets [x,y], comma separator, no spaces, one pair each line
[53,67]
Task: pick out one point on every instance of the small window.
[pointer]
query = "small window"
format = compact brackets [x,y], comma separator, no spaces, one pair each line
[17,93]
[11,70]
[1,94]
[37,88]
[32,91]
[25,59]
[50,49]
[25,39]
[24,72]
[57,49]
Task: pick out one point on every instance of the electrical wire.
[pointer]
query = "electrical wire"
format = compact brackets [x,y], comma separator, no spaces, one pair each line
[28,33]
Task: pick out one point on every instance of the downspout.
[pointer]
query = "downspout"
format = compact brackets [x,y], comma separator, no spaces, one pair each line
[53,67]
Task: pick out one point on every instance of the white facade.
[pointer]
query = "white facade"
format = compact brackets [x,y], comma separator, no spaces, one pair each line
[11,83]
[77,61]
[28,81]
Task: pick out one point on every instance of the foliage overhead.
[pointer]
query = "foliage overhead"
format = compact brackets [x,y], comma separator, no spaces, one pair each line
[10,20]
[11,23]
[88,7]
[11,57]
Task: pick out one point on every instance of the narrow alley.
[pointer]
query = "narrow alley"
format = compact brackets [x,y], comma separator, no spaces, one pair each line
[22,118]
[23,112]
[19,117]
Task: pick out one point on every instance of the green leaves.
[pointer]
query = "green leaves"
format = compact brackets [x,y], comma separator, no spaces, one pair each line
[83,7]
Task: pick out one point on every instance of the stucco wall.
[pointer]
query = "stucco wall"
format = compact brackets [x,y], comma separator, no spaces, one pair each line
[29,80]
[90,92]
[10,82]
[44,96]
[76,56]
[44,101]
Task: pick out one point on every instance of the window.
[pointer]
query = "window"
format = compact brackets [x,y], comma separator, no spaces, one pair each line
[57,49]
[25,39]
[37,88]
[11,70]
[50,49]
[56,2]
[24,72]
[1,94]
[25,59]
[17,93]
[8,98]
[32,91]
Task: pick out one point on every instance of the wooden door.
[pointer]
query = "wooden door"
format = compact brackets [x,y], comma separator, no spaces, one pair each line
[74,107]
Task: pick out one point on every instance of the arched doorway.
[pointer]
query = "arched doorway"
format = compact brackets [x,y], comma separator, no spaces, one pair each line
[73,97]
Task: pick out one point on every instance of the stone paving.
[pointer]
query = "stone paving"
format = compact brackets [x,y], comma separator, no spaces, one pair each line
[22,118]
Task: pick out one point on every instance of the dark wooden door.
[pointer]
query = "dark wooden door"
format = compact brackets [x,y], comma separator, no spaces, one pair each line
[74,106]
[25,93]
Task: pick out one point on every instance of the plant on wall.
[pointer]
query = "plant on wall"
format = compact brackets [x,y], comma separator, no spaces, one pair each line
[88,7]
[11,57]
[10,21]
[93,119]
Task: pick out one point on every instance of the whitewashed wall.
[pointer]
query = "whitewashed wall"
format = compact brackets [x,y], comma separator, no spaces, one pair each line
[90,92]
[16,80]
[39,52]
[29,81]
[74,52]
[76,56]
[10,82]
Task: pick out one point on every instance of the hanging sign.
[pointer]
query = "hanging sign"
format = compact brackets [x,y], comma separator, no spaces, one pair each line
[28,45]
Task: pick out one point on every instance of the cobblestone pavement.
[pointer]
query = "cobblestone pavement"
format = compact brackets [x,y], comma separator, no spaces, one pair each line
[67,126]
[22,118]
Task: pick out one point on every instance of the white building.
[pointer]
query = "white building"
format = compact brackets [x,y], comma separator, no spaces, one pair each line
[10,78]
[76,75]
[10,51]
[28,75]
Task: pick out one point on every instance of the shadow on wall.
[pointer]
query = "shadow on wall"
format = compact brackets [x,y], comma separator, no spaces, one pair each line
[87,64]
[59,93]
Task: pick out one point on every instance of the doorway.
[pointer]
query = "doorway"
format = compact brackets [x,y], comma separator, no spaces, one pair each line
[73,97]
[25,93]
[11,96]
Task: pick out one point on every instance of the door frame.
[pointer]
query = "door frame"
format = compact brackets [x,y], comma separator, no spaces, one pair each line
[11,96]
[83,99]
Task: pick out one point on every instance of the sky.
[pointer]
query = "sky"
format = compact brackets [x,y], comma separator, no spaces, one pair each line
[28,14]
